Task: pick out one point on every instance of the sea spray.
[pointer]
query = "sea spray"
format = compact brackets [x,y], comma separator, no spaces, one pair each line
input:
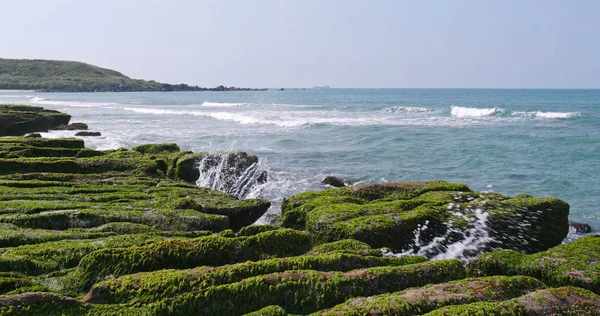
[457,242]
[228,172]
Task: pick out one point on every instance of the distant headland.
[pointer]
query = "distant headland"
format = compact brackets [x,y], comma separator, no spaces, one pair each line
[71,76]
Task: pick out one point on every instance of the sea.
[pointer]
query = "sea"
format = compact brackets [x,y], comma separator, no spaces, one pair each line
[539,142]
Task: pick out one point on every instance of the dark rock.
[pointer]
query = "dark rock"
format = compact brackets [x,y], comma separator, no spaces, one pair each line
[17,120]
[33,135]
[88,134]
[71,127]
[581,228]
[333,181]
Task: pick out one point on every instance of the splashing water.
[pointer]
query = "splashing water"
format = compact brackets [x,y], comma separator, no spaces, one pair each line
[232,173]
[457,242]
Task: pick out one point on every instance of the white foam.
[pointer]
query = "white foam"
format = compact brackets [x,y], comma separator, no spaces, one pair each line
[406,109]
[460,111]
[222,104]
[556,115]
[42,101]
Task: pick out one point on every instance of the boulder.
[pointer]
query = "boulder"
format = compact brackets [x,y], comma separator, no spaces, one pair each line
[333,181]
[71,127]
[580,228]
[88,134]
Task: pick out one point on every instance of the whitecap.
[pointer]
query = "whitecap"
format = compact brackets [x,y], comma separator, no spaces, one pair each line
[42,101]
[556,115]
[406,109]
[460,111]
[222,104]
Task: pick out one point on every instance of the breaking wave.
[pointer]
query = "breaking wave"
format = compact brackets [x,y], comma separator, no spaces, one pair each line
[222,104]
[460,111]
[406,109]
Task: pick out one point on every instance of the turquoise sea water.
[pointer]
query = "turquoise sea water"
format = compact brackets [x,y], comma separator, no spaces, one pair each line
[540,142]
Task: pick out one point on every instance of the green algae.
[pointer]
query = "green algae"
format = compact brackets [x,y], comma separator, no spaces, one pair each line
[188,253]
[388,215]
[427,298]
[305,291]
[271,310]
[148,287]
[576,263]
[46,257]
[558,301]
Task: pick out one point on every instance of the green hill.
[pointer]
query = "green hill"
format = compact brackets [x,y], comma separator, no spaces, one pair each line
[72,76]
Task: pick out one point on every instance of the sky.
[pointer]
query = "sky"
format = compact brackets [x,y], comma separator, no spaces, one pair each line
[305,43]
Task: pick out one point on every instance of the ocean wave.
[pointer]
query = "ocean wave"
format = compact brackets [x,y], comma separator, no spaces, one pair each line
[406,109]
[460,111]
[222,104]
[548,115]
[42,101]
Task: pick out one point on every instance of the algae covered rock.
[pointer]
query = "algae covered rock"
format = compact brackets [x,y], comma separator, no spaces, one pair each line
[187,253]
[429,217]
[148,287]
[431,297]
[17,120]
[306,291]
[557,301]
[576,263]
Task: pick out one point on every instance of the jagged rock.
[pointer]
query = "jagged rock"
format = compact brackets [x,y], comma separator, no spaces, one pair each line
[333,181]
[392,214]
[581,228]
[576,263]
[88,134]
[71,127]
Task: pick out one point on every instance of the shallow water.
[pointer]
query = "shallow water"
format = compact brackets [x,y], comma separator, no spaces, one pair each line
[540,142]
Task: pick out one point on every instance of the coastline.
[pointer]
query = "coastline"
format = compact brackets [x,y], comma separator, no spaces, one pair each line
[129,232]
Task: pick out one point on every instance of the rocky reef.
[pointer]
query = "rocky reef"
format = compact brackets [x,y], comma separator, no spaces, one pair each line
[128,232]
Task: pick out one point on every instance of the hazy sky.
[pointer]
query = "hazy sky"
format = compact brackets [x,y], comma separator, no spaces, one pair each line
[303,43]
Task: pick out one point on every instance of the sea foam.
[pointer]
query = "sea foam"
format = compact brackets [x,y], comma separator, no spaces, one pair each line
[222,104]
[406,109]
[459,111]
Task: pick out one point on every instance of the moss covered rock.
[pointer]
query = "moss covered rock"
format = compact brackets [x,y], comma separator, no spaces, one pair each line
[408,216]
[431,297]
[558,301]
[17,120]
[145,288]
[576,264]
[306,291]
[188,253]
